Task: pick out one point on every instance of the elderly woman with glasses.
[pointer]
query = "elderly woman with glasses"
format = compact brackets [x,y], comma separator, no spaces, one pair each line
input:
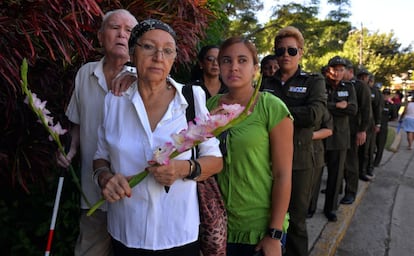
[148,219]
[304,94]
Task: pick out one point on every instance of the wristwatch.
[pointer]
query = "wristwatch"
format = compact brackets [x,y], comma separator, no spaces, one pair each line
[275,233]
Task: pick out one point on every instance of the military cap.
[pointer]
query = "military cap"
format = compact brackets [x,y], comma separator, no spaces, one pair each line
[363,71]
[335,61]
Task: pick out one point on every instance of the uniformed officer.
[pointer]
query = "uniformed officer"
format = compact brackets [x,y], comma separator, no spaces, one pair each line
[323,129]
[304,94]
[389,113]
[358,125]
[366,151]
[342,103]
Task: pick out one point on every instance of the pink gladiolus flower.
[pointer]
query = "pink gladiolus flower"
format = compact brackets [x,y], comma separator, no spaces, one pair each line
[197,132]
[57,129]
[162,154]
[42,113]
[233,110]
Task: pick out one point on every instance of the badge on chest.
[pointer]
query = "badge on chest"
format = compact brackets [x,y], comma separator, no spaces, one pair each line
[297,89]
[343,94]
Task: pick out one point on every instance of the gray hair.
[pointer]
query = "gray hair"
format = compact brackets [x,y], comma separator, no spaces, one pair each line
[110,13]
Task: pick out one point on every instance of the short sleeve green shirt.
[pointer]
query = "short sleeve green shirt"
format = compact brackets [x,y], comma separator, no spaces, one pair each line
[246,179]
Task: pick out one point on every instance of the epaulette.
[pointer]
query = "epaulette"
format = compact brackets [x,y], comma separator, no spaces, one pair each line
[304,73]
[346,83]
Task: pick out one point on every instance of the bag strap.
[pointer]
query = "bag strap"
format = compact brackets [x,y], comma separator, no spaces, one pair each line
[189,96]
[190,112]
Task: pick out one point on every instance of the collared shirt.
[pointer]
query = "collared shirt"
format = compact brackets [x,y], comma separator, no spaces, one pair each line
[151,218]
[85,110]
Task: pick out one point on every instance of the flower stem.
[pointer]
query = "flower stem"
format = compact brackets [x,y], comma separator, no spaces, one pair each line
[41,116]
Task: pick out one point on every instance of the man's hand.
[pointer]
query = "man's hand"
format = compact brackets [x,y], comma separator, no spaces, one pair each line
[361,137]
[122,83]
[342,104]
[63,161]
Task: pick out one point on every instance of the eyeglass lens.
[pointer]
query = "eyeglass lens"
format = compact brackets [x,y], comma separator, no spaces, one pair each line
[151,50]
[281,51]
[211,58]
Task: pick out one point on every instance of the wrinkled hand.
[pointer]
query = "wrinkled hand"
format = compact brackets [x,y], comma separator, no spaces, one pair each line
[165,174]
[361,137]
[122,83]
[63,161]
[114,187]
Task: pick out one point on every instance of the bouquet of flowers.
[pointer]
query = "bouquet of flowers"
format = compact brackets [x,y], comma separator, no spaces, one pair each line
[197,132]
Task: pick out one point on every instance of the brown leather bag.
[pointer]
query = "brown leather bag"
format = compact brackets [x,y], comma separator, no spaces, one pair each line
[213,215]
[213,218]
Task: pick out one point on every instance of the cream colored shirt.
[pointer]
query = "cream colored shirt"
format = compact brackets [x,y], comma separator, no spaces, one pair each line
[85,109]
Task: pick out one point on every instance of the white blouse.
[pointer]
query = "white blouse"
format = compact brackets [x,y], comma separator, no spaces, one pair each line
[409,113]
[151,218]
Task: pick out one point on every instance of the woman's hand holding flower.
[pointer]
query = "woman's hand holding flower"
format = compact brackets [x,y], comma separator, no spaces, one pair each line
[168,173]
[114,186]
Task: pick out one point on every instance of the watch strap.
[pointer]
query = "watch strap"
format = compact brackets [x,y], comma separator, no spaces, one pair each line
[275,233]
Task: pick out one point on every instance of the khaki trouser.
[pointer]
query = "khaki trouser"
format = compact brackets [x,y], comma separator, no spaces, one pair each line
[93,236]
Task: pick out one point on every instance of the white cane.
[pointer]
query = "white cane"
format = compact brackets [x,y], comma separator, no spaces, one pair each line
[54,215]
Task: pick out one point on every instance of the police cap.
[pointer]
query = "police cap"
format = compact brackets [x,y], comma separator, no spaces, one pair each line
[349,64]
[335,61]
[363,71]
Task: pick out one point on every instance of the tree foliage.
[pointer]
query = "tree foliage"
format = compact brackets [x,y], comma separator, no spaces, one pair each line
[341,13]
[242,15]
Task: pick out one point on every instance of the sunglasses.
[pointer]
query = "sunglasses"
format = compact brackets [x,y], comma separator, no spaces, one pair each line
[281,51]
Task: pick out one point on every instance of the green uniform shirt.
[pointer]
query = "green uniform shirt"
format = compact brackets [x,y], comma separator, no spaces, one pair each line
[246,179]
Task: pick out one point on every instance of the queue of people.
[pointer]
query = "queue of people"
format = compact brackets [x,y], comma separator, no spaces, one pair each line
[268,165]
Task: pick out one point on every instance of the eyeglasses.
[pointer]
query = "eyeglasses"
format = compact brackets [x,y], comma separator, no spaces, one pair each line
[281,51]
[151,50]
[211,59]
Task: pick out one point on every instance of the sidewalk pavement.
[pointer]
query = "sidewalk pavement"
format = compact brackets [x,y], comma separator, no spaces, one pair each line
[324,236]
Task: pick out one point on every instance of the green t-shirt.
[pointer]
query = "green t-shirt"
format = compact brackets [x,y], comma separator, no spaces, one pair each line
[246,179]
